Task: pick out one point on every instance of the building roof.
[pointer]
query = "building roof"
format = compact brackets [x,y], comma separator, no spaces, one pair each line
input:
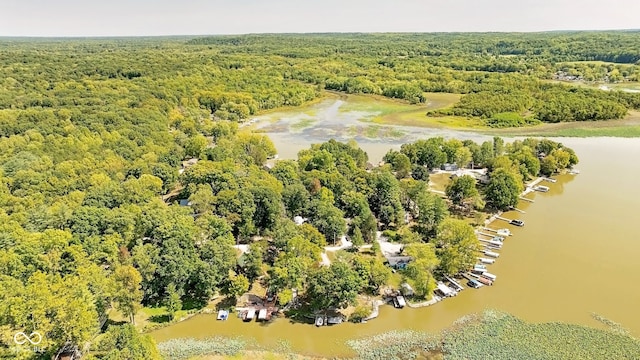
[444,289]
[396,260]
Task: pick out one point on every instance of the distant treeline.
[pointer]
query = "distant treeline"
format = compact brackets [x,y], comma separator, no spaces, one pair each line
[235,77]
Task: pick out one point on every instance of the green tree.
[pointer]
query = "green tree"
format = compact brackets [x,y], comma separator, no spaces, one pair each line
[463,157]
[432,210]
[336,286]
[128,294]
[548,165]
[238,285]
[172,301]
[420,270]
[312,234]
[504,189]
[461,189]
[356,237]
[457,246]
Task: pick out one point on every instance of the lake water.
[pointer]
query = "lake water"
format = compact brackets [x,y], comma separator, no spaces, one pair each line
[577,255]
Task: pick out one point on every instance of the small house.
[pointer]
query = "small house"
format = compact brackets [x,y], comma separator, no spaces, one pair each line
[449,167]
[299,220]
[398,262]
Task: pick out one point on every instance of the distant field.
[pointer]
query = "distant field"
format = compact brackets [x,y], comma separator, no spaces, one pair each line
[627,127]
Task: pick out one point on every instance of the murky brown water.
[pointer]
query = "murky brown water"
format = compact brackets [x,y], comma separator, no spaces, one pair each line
[577,254]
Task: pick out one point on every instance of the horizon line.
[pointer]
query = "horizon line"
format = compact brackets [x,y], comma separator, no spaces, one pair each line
[310,33]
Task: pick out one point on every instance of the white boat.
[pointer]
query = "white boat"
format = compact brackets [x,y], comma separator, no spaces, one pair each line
[251,313]
[319,321]
[574,171]
[486,261]
[503,232]
[479,268]
[495,243]
[223,315]
[541,188]
[491,254]
[489,276]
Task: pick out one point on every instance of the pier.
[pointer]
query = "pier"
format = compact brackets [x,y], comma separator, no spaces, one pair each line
[499,232]
[455,284]
[516,209]
[526,199]
[550,180]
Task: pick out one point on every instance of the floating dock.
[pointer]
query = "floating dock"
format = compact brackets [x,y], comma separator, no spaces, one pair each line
[500,232]
[456,285]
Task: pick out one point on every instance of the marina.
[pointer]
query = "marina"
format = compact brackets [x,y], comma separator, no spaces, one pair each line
[574,200]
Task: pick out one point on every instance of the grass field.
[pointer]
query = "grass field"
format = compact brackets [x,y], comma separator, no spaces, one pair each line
[627,127]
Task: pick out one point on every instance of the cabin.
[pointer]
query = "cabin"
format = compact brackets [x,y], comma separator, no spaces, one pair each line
[398,262]
[299,220]
[449,167]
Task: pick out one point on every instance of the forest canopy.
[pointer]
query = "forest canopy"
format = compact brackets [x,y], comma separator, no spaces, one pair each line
[100,139]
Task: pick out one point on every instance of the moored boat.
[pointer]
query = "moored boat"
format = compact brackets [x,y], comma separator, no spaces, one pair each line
[491,254]
[487,261]
[489,276]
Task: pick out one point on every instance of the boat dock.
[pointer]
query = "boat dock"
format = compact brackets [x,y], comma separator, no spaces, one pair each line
[550,180]
[526,199]
[516,209]
[456,285]
[500,232]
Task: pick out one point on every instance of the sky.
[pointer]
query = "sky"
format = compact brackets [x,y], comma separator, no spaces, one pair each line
[202,17]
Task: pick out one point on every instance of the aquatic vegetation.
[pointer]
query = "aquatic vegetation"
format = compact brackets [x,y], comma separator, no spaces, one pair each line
[613,326]
[497,335]
[393,345]
[177,349]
